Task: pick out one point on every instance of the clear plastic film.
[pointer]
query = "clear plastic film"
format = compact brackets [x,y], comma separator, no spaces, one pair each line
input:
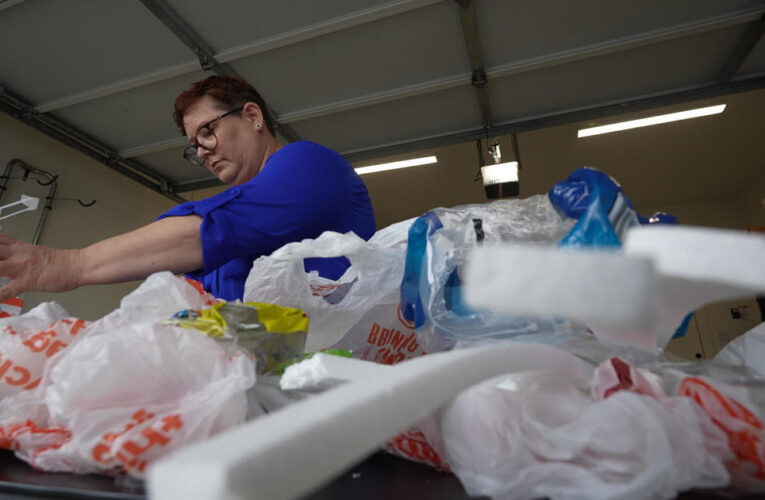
[439,244]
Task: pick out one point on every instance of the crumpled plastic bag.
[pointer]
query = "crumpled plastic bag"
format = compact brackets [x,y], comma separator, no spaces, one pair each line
[28,341]
[746,350]
[332,306]
[134,394]
[734,399]
[531,436]
[130,390]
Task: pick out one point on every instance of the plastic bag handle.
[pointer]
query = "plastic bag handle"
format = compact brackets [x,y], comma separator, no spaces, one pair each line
[328,244]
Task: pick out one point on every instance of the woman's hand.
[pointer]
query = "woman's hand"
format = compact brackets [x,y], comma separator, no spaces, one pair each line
[36,268]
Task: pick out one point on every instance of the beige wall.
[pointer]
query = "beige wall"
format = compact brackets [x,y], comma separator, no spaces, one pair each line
[401,194]
[755,201]
[121,205]
[730,213]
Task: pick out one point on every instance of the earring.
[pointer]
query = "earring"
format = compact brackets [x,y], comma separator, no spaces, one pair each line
[258,125]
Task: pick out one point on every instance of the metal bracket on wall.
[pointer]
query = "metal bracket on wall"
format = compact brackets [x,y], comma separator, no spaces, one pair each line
[51,181]
[205,53]
[17,108]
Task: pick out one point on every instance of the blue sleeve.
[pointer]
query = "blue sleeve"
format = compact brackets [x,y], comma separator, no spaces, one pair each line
[303,190]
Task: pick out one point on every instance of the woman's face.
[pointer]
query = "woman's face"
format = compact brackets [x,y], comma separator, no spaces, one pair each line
[241,144]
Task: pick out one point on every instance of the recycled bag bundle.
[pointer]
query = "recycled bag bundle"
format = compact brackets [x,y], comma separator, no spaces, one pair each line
[531,436]
[629,432]
[118,393]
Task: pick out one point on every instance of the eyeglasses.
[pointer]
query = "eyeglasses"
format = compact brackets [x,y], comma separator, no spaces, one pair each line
[206,139]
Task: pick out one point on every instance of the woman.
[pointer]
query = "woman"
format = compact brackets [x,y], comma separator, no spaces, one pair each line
[279,194]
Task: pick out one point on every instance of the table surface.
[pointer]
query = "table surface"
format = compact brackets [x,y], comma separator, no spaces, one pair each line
[378,477]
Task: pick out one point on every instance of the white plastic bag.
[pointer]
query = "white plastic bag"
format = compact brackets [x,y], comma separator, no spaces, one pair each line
[393,236]
[132,395]
[530,436]
[27,342]
[746,350]
[732,397]
[130,390]
[159,297]
[382,335]
[735,401]
[332,306]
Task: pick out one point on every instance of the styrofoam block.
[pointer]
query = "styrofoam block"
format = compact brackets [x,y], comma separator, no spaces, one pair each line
[734,258]
[620,293]
[697,266]
[639,296]
[321,368]
[292,451]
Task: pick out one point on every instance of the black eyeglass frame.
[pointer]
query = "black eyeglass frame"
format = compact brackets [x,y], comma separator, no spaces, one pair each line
[190,153]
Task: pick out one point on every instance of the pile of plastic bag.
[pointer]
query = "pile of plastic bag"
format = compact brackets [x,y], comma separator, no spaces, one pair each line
[644,427]
[118,393]
[630,432]
[401,296]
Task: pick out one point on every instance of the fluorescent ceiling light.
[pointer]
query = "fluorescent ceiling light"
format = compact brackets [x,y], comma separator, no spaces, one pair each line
[651,120]
[500,173]
[426,160]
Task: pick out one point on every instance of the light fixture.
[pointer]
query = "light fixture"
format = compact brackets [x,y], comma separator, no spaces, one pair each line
[651,120]
[425,160]
[500,179]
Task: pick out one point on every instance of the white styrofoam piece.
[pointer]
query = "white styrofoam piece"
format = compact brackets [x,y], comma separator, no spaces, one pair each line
[618,293]
[724,256]
[697,266]
[321,368]
[292,451]
[622,296]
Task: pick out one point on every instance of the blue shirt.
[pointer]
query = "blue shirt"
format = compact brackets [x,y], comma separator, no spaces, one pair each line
[303,190]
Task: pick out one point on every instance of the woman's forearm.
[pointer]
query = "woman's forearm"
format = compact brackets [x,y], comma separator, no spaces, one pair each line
[170,244]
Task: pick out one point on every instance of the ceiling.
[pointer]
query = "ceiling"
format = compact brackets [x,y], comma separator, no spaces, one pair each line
[367,78]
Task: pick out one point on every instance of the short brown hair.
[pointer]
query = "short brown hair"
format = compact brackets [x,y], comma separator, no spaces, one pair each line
[229,90]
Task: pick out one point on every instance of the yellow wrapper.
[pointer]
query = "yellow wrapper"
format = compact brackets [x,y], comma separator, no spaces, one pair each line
[272,333]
